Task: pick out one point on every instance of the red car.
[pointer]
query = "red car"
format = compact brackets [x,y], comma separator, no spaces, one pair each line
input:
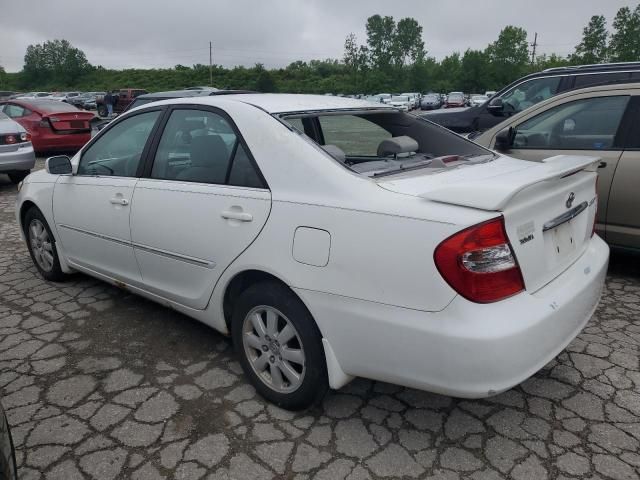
[53,125]
[454,100]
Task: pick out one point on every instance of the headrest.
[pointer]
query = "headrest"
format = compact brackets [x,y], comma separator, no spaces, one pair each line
[335,152]
[397,145]
[208,150]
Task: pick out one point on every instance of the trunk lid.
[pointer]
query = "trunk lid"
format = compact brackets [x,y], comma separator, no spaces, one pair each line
[548,206]
[70,122]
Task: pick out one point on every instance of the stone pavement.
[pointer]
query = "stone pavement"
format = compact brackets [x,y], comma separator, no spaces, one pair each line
[101,384]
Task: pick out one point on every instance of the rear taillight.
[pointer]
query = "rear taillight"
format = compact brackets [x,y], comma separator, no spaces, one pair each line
[44,123]
[479,263]
[11,139]
[25,137]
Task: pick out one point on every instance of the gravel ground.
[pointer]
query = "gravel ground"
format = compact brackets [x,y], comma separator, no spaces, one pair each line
[102,384]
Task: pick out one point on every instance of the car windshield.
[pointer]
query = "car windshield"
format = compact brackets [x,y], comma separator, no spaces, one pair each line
[399,98]
[456,97]
[431,97]
[380,143]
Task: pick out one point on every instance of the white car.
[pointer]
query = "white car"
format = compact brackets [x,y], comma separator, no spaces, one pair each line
[477,100]
[386,97]
[376,244]
[401,102]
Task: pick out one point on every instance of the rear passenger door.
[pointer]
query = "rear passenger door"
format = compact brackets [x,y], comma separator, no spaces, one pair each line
[201,204]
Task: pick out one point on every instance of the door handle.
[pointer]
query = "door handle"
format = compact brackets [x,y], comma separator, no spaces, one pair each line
[602,164]
[241,216]
[119,201]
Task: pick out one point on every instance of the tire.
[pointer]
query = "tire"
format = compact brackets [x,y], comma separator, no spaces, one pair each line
[264,354]
[17,177]
[102,111]
[35,226]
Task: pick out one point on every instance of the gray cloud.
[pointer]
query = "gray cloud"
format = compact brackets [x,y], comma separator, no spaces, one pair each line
[151,33]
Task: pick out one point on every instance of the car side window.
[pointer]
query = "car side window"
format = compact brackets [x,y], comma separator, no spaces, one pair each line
[582,81]
[354,135]
[117,152]
[586,124]
[529,93]
[14,111]
[201,146]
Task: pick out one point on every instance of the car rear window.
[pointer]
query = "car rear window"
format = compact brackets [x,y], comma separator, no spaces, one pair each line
[51,106]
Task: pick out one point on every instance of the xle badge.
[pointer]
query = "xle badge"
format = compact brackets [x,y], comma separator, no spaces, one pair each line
[525,232]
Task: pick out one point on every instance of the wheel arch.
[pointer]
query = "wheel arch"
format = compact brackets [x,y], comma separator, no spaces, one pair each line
[243,280]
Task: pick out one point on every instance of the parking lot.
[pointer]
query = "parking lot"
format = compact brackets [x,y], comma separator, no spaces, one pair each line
[99,383]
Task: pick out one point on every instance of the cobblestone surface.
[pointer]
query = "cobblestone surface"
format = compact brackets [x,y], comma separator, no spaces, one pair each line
[101,384]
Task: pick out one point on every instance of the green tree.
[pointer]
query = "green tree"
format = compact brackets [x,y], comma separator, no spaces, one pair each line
[448,73]
[264,80]
[55,62]
[407,42]
[380,39]
[625,40]
[3,77]
[509,55]
[593,47]
[474,72]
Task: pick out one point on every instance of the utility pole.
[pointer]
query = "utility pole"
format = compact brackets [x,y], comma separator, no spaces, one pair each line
[210,64]
[534,45]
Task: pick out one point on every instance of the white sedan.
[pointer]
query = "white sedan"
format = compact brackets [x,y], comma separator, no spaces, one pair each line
[331,238]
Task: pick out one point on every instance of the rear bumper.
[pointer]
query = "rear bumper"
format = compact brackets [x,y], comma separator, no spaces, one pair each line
[22,159]
[60,142]
[467,349]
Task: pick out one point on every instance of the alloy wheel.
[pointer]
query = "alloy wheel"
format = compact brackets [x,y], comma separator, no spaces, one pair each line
[274,350]
[41,245]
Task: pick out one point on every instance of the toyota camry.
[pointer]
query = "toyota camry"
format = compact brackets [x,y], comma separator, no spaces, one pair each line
[330,238]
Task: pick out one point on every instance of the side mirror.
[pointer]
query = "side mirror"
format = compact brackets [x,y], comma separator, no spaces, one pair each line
[504,139]
[496,106]
[59,165]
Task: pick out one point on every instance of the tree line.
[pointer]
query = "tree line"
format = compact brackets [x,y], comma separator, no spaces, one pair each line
[393,58]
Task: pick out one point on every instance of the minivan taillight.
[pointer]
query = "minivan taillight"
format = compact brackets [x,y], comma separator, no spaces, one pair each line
[479,263]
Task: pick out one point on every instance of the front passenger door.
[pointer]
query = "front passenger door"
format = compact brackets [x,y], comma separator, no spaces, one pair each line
[586,126]
[91,208]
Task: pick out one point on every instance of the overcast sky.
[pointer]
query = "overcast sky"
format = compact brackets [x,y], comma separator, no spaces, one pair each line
[155,33]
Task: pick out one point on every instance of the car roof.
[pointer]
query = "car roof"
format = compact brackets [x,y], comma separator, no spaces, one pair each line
[292,102]
[174,94]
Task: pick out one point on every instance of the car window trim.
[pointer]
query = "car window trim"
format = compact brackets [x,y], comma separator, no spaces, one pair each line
[615,147]
[148,165]
[145,150]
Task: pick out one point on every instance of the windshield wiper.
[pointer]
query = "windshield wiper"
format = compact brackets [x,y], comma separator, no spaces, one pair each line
[403,168]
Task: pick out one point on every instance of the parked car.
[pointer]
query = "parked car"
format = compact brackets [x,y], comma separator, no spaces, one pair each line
[8,468]
[455,100]
[477,100]
[532,89]
[5,94]
[63,96]
[431,101]
[414,99]
[403,102]
[17,157]
[490,93]
[84,98]
[386,97]
[249,246]
[157,96]
[122,99]
[32,95]
[53,125]
[602,122]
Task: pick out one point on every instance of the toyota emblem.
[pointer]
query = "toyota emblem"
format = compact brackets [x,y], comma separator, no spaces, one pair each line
[572,197]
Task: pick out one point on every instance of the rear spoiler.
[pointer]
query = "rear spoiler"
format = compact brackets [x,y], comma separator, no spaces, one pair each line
[495,193]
